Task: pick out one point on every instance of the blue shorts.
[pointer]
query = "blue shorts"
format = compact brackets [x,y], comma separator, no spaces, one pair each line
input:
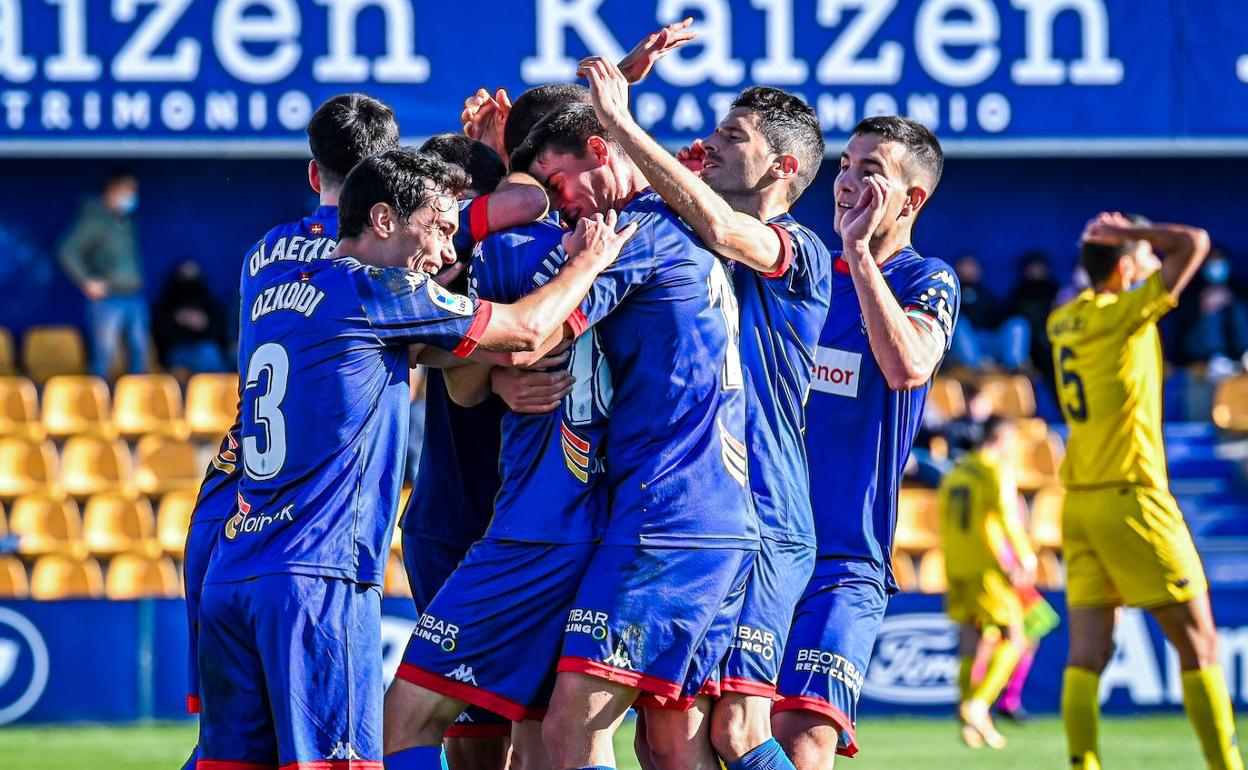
[780,574]
[201,539]
[834,630]
[429,563]
[491,637]
[647,617]
[291,672]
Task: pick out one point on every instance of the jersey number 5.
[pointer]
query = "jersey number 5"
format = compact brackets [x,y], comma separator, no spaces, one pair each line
[270,367]
[1074,400]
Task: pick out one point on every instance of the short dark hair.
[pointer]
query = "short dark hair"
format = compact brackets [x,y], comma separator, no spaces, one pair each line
[398,177]
[923,153]
[347,129]
[483,166]
[567,129]
[790,126]
[116,175]
[1100,260]
[536,103]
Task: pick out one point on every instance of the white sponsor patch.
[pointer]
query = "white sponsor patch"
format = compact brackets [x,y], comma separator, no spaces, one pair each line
[455,303]
[836,371]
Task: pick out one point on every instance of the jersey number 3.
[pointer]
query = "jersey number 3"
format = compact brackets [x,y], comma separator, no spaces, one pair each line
[269,367]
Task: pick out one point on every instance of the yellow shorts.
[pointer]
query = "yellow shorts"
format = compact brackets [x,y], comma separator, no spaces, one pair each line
[983,600]
[1128,545]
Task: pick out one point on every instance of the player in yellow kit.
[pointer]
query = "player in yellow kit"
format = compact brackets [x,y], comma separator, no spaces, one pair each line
[987,555]
[1125,540]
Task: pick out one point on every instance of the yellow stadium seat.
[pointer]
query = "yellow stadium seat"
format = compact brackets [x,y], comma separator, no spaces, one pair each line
[1039,460]
[113,524]
[917,528]
[166,464]
[947,398]
[19,408]
[91,465]
[211,405]
[13,582]
[27,467]
[45,525]
[1046,517]
[51,350]
[148,403]
[131,576]
[76,405]
[60,577]
[8,359]
[396,578]
[1230,404]
[1049,575]
[932,579]
[903,572]
[1012,395]
[173,519]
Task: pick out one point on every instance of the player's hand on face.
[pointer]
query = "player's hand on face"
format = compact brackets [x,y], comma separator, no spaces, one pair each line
[860,222]
[597,240]
[608,90]
[637,64]
[530,392]
[692,157]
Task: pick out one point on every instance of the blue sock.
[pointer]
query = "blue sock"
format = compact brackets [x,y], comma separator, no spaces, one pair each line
[768,756]
[419,758]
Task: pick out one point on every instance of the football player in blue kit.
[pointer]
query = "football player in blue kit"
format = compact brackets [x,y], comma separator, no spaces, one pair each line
[760,159]
[290,654]
[890,325]
[680,534]
[343,130]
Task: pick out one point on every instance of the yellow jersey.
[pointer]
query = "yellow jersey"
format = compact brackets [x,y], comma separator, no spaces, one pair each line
[1107,359]
[979,531]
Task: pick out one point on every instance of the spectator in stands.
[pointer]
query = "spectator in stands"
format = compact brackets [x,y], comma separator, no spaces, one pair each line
[188,326]
[982,338]
[1031,300]
[1218,332]
[101,254]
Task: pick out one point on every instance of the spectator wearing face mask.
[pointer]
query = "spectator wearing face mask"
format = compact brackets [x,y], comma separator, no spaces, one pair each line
[1217,334]
[100,253]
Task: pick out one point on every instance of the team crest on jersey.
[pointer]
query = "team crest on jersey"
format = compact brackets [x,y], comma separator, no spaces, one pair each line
[316,228]
[455,303]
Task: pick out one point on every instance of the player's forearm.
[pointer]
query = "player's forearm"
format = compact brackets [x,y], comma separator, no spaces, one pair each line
[1184,248]
[468,385]
[515,203]
[907,357]
[536,320]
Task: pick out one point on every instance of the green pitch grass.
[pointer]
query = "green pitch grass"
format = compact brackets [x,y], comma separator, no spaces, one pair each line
[1140,742]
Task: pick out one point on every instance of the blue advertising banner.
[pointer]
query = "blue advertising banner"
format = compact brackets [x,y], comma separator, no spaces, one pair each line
[990,76]
[113,661]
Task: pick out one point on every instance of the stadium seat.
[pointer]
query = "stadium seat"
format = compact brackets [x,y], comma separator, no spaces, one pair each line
[173,519]
[917,529]
[903,572]
[1012,395]
[1039,460]
[8,359]
[1230,404]
[932,578]
[1046,518]
[396,578]
[60,577]
[113,524]
[1049,575]
[13,582]
[48,351]
[947,398]
[76,405]
[19,408]
[166,464]
[211,405]
[46,525]
[148,403]
[27,467]
[131,576]
[91,465]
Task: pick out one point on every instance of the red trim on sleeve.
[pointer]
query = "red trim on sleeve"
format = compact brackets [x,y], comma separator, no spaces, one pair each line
[225,764]
[578,322]
[748,687]
[652,684]
[786,251]
[820,706]
[468,730]
[479,218]
[193,705]
[505,707]
[335,764]
[475,330]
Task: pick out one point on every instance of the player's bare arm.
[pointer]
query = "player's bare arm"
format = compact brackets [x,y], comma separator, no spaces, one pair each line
[907,356]
[1185,247]
[731,234]
[526,390]
[518,200]
[637,63]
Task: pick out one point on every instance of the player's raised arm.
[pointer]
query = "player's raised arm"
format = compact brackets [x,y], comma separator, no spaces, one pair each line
[1184,247]
[638,62]
[732,234]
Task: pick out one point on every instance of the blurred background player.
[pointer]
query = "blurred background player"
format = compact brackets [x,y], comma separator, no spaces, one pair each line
[981,542]
[1125,539]
[890,324]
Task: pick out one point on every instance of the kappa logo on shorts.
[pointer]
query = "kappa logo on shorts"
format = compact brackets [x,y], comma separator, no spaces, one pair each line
[619,658]
[343,750]
[462,673]
[445,635]
[591,622]
[756,641]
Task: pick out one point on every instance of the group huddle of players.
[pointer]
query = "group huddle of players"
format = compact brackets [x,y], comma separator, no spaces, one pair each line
[665,430]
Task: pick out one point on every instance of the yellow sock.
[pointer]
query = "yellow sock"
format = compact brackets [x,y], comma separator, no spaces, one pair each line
[1081,715]
[965,669]
[1000,667]
[1208,707]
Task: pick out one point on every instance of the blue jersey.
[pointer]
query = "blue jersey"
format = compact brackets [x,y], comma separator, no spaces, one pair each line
[325,400]
[474,225]
[676,455]
[859,431]
[550,464]
[781,315]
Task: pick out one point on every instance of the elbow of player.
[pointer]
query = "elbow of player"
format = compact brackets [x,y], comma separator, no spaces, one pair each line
[1200,242]
[906,378]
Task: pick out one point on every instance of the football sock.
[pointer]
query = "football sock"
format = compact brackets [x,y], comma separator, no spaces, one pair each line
[1081,714]
[966,669]
[1208,708]
[419,758]
[1000,666]
[1012,698]
[767,756]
